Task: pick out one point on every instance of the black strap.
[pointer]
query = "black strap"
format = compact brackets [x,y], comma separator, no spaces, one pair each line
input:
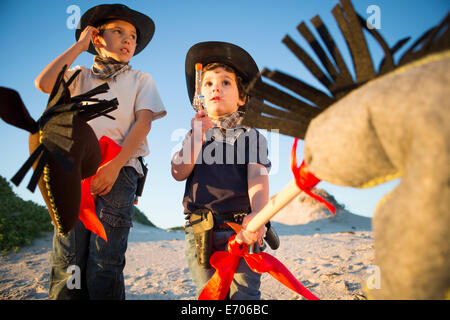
[97,90]
[18,177]
[38,171]
[69,82]
[102,108]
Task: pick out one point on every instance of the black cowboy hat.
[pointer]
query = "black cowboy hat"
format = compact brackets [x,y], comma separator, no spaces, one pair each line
[222,52]
[64,149]
[96,16]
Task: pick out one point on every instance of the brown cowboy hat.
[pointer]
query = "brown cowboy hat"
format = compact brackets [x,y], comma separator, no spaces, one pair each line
[64,149]
[96,16]
[222,52]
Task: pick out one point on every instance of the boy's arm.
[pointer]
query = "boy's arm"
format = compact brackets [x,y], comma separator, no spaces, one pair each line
[107,174]
[183,161]
[258,186]
[46,79]
[258,193]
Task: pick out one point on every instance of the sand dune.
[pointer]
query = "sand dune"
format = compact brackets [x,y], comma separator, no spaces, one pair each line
[329,254]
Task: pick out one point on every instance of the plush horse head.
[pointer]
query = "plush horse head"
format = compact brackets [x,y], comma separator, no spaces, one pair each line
[387,123]
[63,147]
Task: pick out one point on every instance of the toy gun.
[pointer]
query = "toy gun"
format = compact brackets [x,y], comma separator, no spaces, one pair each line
[199,99]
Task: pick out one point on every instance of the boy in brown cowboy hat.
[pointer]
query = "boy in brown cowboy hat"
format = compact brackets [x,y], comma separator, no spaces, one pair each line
[225,164]
[113,33]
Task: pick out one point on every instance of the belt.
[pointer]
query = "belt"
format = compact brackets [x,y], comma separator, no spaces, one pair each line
[237,217]
[219,219]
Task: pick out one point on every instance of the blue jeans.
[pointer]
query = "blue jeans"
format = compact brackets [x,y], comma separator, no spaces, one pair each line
[83,265]
[245,284]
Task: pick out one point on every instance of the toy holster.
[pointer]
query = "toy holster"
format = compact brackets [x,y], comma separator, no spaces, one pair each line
[141,180]
[271,237]
[202,222]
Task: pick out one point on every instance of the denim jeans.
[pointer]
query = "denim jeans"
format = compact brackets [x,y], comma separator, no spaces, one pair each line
[98,264]
[245,284]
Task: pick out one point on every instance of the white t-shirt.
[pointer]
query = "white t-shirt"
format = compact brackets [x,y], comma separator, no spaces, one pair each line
[135,90]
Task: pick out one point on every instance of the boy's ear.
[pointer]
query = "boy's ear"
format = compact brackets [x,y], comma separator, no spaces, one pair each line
[242,101]
[97,41]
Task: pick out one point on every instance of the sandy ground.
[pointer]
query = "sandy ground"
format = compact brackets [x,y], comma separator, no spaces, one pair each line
[330,255]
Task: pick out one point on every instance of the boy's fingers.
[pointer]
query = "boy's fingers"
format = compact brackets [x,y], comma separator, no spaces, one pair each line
[201,114]
[101,191]
[198,117]
[239,238]
[106,191]
[90,31]
[94,189]
[96,186]
[247,237]
[94,31]
[87,30]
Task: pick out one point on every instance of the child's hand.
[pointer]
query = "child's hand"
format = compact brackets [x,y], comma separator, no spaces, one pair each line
[104,179]
[201,121]
[251,237]
[247,237]
[86,36]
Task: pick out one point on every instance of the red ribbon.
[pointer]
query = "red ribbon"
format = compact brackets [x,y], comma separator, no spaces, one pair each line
[87,215]
[305,180]
[226,263]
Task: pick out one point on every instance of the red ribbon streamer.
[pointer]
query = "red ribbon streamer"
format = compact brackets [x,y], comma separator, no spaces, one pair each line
[305,180]
[226,263]
[87,215]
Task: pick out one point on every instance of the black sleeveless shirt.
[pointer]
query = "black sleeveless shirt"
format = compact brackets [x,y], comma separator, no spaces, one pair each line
[218,181]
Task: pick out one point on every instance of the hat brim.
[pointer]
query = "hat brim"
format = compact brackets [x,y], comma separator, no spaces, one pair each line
[222,52]
[144,25]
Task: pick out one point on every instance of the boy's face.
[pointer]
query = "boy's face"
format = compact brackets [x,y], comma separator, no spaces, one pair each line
[221,92]
[118,40]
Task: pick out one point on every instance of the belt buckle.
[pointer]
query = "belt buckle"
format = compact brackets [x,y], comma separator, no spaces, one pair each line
[239,217]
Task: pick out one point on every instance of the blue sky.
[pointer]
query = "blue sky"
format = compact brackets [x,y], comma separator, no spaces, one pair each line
[33,33]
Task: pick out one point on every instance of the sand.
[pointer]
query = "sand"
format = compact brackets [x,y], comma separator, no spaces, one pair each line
[330,255]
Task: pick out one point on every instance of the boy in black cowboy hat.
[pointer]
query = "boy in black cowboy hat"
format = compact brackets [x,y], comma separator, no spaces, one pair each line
[114,34]
[225,164]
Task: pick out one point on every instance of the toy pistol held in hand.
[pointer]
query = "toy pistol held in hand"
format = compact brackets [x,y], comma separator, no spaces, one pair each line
[199,99]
